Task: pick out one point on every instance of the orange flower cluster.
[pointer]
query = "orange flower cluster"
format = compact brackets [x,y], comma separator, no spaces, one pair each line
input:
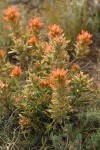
[2,53]
[58,75]
[35,24]
[24,122]
[33,40]
[75,68]
[84,38]
[54,30]
[16,71]
[11,15]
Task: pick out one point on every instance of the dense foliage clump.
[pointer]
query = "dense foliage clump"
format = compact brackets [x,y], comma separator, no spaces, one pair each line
[46,101]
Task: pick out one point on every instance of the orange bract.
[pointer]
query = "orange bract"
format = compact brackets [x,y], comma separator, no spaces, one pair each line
[45,83]
[59,73]
[55,30]
[24,122]
[58,40]
[59,78]
[35,24]
[33,40]
[48,48]
[75,67]
[11,15]
[2,53]
[16,71]
[17,100]
[84,38]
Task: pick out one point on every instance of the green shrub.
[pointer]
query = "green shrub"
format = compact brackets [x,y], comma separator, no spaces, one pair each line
[47,101]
